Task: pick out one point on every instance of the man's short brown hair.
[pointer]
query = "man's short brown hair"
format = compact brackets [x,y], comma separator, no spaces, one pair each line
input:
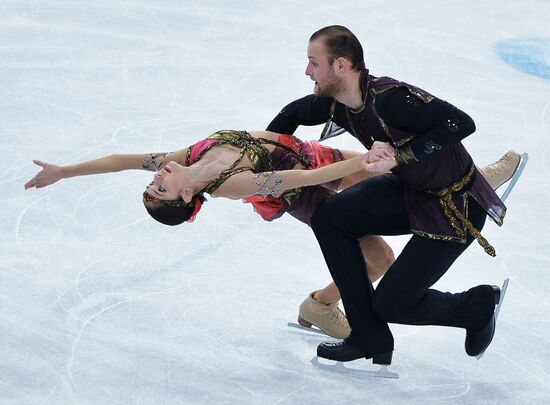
[341,42]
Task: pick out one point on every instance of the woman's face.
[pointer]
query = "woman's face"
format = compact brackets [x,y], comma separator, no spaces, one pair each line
[170,183]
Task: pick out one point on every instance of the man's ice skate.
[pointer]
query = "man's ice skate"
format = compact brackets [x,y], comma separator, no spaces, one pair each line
[344,351]
[322,318]
[508,168]
[339,367]
[477,342]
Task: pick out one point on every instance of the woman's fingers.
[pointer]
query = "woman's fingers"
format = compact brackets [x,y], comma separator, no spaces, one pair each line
[48,175]
[30,183]
[33,182]
[381,166]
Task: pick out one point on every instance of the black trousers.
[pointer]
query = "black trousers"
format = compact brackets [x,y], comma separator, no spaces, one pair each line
[376,207]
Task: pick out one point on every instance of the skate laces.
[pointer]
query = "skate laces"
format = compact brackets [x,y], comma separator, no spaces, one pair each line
[498,167]
[338,317]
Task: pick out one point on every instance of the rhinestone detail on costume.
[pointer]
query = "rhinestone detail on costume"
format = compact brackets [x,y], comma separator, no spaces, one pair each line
[430,147]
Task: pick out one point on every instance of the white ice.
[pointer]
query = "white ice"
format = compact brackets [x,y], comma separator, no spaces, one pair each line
[101,305]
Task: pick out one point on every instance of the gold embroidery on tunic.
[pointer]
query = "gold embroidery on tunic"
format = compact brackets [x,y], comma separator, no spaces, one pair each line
[459,221]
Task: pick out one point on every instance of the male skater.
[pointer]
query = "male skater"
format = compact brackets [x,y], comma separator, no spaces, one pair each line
[434,192]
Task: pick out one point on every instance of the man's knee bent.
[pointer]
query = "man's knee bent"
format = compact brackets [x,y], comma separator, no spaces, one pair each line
[387,307]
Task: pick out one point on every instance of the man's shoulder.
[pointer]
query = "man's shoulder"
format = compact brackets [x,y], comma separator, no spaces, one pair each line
[388,87]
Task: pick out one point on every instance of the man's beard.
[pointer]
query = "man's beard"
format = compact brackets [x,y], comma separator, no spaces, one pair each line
[332,88]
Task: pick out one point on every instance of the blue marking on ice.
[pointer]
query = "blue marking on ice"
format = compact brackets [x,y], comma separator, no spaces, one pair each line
[529,55]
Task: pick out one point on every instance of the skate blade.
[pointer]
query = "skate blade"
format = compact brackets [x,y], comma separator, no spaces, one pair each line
[502,294]
[515,177]
[497,309]
[315,330]
[339,367]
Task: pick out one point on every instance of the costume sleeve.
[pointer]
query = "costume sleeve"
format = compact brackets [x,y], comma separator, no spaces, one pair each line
[438,124]
[309,110]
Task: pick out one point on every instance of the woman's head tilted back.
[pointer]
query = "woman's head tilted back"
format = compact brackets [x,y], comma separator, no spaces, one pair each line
[169,198]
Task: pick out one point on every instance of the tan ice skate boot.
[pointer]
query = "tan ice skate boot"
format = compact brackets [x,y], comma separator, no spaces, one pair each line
[327,317]
[502,170]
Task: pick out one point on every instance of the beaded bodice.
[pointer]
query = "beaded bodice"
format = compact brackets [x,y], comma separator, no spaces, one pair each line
[253,148]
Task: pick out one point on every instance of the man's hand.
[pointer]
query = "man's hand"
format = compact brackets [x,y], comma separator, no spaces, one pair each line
[48,175]
[380,158]
[381,151]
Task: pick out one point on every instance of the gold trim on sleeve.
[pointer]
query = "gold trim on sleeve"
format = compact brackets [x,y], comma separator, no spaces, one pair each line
[404,155]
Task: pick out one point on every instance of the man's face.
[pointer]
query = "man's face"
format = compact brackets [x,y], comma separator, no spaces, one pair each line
[321,71]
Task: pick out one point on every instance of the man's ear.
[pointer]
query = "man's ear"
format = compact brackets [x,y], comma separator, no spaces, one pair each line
[342,64]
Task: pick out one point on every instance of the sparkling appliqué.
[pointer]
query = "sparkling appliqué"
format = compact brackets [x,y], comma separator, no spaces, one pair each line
[452,125]
[410,99]
[430,146]
[152,163]
[269,185]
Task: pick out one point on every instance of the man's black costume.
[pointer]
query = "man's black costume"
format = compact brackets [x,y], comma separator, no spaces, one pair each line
[435,192]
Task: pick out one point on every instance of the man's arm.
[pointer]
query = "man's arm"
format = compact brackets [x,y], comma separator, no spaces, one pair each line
[438,123]
[309,110]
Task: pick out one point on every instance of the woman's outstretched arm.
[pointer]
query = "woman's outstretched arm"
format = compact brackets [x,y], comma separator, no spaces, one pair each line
[50,173]
[275,183]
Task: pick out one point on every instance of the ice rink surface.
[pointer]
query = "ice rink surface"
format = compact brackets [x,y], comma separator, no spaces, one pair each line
[99,304]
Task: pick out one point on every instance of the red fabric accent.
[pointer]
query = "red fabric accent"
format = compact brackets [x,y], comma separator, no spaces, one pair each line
[270,207]
[290,141]
[267,207]
[197,207]
[322,155]
[198,148]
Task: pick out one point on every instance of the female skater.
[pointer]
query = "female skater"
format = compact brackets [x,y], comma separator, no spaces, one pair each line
[275,173]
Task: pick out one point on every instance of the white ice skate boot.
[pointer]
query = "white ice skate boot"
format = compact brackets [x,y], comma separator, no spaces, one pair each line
[327,317]
[508,167]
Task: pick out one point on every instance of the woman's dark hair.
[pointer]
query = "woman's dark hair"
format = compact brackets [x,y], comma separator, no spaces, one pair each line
[172,212]
[341,42]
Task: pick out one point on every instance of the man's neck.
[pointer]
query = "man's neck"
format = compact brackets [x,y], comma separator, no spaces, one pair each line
[351,95]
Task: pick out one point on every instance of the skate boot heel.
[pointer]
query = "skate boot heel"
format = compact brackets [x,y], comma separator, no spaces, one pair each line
[303,322]
[382,358]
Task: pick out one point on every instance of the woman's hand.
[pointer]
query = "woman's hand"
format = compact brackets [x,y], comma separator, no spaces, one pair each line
[48,175]
[380,166]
